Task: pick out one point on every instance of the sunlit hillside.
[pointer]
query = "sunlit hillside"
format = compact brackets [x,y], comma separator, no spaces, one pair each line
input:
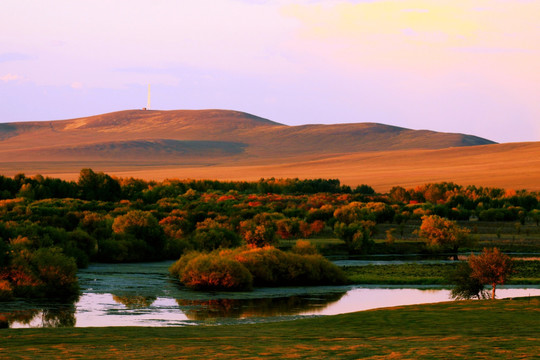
[221,144]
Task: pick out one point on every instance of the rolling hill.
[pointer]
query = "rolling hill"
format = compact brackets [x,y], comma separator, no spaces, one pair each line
[224,144]
[168,135]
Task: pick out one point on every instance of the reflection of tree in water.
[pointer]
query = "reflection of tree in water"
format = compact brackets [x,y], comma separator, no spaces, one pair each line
[62,316]
[135,301]
[265,307]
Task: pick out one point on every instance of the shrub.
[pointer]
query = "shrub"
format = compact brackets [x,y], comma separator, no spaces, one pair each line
[304,247]
[144,226]
[46,273]
[123,248]
[267,266]
[213,238]
[356,235]
[176,247]
[178,267]
[57,272]
[6,290]
[214,272]
[272,267]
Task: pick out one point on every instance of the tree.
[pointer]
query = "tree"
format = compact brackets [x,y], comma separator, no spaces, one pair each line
[399,195]
[491,267]
[259,231]
[98,186]
[465,286]
[440,232]
[357,236]
[142,225]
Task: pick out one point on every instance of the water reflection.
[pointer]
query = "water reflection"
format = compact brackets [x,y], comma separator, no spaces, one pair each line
[134,301]
[143,295]
[266,307]
[62,315]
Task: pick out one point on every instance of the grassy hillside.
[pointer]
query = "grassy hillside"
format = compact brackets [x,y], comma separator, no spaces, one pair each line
[488,329]
[231,145]
[263,138]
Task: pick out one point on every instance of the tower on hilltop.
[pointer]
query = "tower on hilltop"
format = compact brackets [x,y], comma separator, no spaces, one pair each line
[148,102]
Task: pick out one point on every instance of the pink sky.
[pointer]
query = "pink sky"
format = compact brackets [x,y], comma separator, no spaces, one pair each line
[455,66]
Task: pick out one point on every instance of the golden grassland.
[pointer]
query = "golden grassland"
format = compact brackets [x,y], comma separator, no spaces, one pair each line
[514,166]
[487,329]
[231,145]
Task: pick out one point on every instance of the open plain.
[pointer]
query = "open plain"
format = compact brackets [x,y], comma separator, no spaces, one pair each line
[231,145]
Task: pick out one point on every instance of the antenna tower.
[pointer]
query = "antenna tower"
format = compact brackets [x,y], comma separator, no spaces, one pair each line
[148,102]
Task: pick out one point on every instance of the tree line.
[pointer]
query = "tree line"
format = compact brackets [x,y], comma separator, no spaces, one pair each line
[49,227]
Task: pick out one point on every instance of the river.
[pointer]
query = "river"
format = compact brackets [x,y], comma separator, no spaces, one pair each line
[143,294]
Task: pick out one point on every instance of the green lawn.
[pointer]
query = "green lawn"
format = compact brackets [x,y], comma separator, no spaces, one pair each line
[499,329]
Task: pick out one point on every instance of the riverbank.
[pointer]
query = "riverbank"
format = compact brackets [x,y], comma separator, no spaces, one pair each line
[525,273]
[497,329]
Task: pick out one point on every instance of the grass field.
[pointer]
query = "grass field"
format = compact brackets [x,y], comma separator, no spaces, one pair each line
[487,329]
[526,272]
[511,166]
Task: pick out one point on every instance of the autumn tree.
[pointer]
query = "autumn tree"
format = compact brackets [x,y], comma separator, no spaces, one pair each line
[259,231]
[491,267]
[465,286]
[440,232]
[141,225]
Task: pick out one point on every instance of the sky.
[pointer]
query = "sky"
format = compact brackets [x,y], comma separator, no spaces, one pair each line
[462,66]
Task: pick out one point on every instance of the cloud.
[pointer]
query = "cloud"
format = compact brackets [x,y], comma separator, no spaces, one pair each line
[10,77]
[6,57]
[76,85]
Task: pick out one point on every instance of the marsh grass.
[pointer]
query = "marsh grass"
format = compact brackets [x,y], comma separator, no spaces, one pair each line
[487,329]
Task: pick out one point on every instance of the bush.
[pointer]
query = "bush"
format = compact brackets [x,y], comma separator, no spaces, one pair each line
[57,272]
[123,248]
[214,272]
[6,290]
[144,226]
[272,267]
[176,247]
[266,266]
[304,247]
[46,273]
[213,238]
[356,235]
[177,269]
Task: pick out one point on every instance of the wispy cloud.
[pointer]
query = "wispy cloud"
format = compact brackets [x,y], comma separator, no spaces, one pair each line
[10,77]
[6,57]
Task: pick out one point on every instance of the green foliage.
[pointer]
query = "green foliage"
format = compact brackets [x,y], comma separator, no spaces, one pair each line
[5,253]
[267,266]
[123,248]
[176,247]
[177,268]
[141,225]
[304,247]
[272,267]
[215,272]
[98,186]
[465,286]
[45,273]
[101,218]
[209,239]
[356,235]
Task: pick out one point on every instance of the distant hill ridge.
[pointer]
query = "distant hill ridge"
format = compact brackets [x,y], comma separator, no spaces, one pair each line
[186,134]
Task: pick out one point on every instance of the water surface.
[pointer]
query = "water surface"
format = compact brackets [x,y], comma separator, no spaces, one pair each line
[144,295]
